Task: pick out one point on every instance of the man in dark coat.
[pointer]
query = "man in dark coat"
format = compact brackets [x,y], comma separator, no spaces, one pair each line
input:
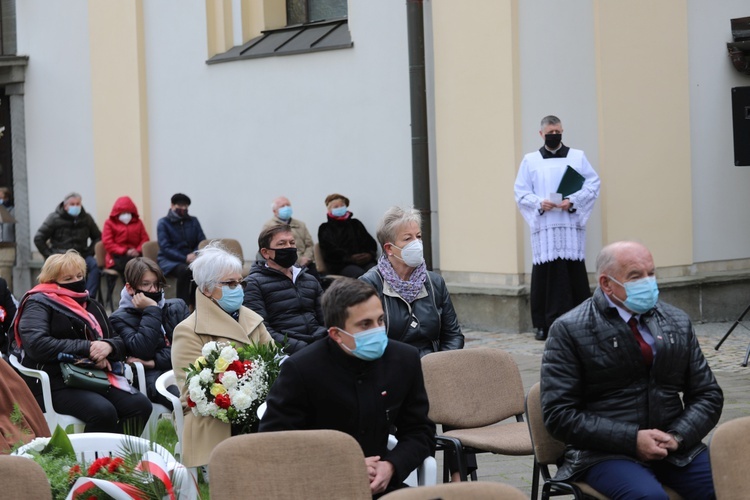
[178,235]
[285,295]
[70,226]
[626,387]
[358,382]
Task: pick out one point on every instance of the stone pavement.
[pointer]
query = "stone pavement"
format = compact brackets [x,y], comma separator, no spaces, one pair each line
[733,378]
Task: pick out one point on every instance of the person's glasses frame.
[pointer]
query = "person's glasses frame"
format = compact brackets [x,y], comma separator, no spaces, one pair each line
[232,284]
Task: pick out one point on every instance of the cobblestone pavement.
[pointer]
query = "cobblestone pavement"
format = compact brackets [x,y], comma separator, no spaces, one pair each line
[733,378]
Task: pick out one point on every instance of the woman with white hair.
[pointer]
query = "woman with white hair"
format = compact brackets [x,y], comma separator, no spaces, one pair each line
[417,305]
[219,316]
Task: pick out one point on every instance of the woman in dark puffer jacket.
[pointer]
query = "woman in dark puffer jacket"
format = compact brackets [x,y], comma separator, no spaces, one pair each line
[145,321]
[58,317]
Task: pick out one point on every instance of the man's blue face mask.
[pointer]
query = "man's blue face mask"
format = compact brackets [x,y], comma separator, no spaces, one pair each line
[641,294]
[370,344]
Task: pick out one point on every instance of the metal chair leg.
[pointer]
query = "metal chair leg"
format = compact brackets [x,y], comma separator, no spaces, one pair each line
[731,329]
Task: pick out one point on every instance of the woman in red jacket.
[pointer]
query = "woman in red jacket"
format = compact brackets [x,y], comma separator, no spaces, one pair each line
[124,234]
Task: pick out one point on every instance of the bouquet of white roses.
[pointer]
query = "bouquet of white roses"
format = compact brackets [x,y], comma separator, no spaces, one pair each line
[229,383]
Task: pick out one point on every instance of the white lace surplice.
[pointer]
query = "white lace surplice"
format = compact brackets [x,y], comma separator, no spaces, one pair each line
[555,234]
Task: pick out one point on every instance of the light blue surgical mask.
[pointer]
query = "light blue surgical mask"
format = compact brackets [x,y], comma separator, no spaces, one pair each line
[74,210]
[231,298]
[340,211]
[285,212]
[370,344]
[641,294]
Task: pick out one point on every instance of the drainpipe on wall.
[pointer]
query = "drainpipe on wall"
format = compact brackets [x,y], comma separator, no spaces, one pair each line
[419,147]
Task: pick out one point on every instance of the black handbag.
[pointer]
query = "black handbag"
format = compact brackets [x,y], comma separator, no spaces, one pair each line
[85,377]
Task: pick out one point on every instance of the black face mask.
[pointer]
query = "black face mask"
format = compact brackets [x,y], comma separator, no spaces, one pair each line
[285,257]
[181,212]
[552,141]
[76,286]
[155,296]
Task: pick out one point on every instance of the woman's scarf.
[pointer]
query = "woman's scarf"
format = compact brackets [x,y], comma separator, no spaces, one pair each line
[346,216]
[407,289]
[64,298]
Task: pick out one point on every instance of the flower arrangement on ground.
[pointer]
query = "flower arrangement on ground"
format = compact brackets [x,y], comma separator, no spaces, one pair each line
[136,472]
[230,384]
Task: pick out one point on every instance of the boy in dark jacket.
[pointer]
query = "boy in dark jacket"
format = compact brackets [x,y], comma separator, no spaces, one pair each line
[145,322]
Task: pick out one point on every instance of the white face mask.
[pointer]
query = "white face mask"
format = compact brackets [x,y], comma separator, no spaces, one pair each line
[412,254]
[125,218]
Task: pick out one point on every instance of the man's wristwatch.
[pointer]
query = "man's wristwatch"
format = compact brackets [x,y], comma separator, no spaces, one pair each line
[677,438]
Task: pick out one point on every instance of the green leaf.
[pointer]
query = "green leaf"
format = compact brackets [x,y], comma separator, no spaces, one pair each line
[60,445]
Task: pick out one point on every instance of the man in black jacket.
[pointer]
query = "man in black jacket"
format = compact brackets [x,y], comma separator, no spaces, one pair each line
[358,382]
[70,226]
[286,296]
[627,388]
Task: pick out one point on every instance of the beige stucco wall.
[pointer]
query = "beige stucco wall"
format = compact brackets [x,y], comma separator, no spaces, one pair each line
[642,87]
[477,126]
[119,107]
[644,118]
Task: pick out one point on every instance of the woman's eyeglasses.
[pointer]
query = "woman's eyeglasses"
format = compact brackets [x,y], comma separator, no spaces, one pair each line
[232,284]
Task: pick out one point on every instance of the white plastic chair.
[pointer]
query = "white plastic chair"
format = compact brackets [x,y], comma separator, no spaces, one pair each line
[424,475]
[50,415]
[165,380]
[157,409]
[88,447]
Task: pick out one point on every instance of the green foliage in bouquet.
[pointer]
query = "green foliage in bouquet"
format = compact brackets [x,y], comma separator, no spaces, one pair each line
[230,383]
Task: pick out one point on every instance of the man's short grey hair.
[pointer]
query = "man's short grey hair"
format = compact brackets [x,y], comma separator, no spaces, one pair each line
[70,196]
[606,261]
[393,219]
[549,120]
[213,263]
[275,202]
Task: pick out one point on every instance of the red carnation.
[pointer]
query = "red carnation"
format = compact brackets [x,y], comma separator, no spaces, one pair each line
[223,401]
[190,402]
[248,365]
[237,367]
[115,464]
[97,465]
[74,471]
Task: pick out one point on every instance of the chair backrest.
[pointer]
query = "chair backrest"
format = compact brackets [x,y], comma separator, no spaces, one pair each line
[100,254]
[546,448]
[472,387]
[320,264]
[23,478]
[475,490]
[728,451]
[165,380]
[232,245]
[150,250]
[289,464]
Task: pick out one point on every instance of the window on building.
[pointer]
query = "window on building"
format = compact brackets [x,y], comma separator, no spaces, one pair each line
[310,11]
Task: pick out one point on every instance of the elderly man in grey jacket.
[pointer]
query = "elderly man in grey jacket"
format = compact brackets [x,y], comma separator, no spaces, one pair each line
[627,388]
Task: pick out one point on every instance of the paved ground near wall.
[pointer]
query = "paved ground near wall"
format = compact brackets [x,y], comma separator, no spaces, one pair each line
[733,378]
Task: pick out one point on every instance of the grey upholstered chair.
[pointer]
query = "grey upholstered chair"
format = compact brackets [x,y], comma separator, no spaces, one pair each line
[472,391]
[289,464]
[728,450]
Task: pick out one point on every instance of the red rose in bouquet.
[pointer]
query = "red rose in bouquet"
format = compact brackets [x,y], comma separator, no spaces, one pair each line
[223,401]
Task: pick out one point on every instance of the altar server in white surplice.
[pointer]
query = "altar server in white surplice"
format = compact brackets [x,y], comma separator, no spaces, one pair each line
[557,223]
